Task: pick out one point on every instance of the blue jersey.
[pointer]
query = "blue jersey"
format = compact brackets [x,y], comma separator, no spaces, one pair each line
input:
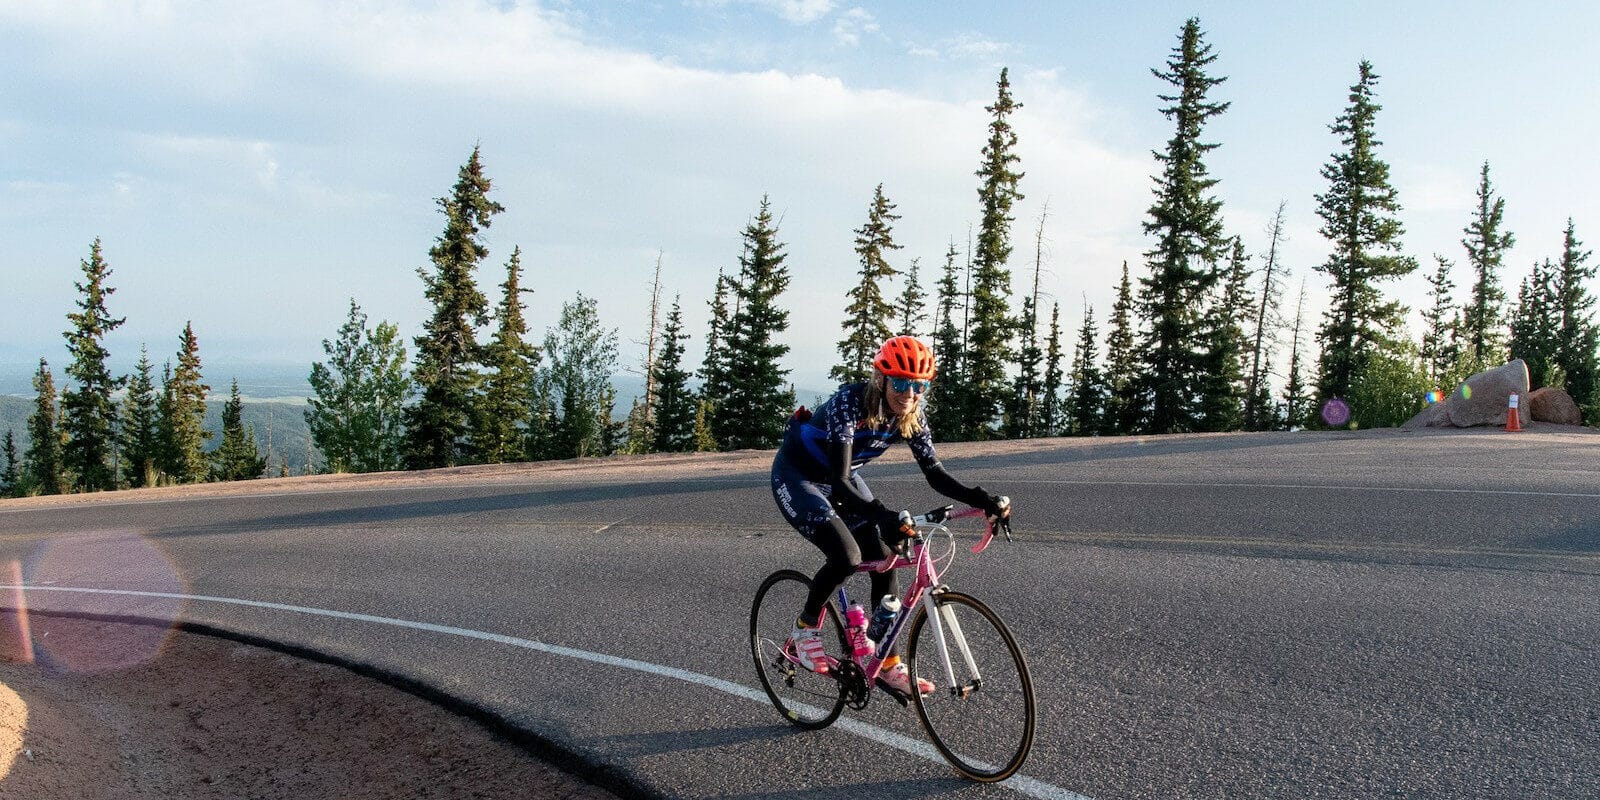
[843,418]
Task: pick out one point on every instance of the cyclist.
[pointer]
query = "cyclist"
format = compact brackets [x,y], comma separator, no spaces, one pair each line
[819,492]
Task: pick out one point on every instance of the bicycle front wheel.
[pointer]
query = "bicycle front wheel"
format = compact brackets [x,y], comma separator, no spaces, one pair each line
[980,716]
[808,700]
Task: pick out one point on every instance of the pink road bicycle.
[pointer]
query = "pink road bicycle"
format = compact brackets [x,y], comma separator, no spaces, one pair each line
[980,715]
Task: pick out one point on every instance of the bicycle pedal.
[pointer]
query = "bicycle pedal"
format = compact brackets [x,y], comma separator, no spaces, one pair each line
[903,698]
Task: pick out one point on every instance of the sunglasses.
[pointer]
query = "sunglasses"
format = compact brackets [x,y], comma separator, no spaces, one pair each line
[908,385]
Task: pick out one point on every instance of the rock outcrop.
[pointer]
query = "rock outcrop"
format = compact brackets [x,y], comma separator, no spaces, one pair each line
[1553,405]
[1483,399]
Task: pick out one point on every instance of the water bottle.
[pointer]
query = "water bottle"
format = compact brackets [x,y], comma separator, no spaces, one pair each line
[855,618]
[883,616]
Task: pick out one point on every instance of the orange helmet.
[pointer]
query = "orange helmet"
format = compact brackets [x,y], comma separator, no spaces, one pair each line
[905,357]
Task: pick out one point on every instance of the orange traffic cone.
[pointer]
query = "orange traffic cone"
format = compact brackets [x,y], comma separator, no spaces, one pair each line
[1513,416]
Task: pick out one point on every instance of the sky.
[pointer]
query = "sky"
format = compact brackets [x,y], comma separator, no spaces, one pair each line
[252,167]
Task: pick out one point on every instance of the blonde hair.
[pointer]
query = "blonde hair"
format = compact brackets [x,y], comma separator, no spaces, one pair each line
[877,407]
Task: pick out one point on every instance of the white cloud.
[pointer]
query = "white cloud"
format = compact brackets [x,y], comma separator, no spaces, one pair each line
[847,29]
[268,116]
[799,12]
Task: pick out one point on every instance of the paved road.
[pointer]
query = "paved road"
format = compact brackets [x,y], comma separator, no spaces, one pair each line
[1302,616]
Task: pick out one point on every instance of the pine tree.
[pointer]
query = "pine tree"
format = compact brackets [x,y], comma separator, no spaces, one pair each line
[1258,410]
[10,476]
[753,412]
[237,458]
[988,347]
[1088,386]
[447,352]
[704,441]
[639,430]
[675,402]
[43,472]
[1187,223]
[1296,405]
[1052,410]
[1534,327]
[580,357]
[1438,352]
[88,414]
[714,384]
[498,429]
[184,414]
[1577,338]
[1483,318]
[909,306]
[357,409]
[1359,215]
[948,400]
[1222,381]
[1124,408]
[868,315]
[140,434]
[1022,408]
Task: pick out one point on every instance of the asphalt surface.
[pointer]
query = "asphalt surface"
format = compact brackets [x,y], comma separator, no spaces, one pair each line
[1373,614]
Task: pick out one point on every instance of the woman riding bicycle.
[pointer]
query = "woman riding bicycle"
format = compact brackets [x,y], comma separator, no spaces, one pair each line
[815,483]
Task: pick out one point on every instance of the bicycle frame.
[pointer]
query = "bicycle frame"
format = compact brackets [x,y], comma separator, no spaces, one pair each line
[945,629]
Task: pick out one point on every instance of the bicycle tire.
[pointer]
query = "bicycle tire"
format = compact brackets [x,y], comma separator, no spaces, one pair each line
[987,732]
[807,700]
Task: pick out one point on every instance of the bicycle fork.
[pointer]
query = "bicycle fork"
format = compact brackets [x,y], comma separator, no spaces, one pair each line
[946,628]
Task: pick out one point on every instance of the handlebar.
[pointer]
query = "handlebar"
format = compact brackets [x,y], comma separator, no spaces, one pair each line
[940,515]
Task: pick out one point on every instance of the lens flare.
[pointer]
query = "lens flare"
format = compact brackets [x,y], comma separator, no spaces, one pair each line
[121,560]
[1336,412]
[1433,397]
[1466,392]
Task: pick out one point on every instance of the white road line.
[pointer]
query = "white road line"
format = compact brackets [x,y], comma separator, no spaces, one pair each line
[1021,783]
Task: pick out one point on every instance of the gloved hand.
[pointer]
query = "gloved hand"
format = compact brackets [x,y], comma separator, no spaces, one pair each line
[894,526]
[994,506]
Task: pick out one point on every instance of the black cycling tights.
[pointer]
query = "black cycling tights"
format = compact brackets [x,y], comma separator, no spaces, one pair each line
[845,551]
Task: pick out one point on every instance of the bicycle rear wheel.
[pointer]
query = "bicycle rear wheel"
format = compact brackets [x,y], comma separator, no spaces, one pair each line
[808,700]
[983,721]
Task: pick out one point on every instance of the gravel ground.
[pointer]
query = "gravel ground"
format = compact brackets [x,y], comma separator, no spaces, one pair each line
[211,718]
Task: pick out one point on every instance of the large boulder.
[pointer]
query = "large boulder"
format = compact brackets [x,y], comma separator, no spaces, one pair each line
[1436,415]
[1484,398]
[1554,405]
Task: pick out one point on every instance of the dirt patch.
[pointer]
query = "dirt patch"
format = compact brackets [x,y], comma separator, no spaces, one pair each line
[210,718]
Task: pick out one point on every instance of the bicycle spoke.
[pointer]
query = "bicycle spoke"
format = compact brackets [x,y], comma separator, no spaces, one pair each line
[983,721]
[803,697]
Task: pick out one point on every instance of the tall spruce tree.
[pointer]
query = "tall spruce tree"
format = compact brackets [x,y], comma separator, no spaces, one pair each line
[237,458]
[752,414]
[1186,220]
[1483,317]
[356,411]
[714,364]
[1258,409]
[1088,385]
[1124,406]
[44,472]
[909,307]
[988,348]
[1577,339]
[868,315]
[1296,405]
[1022,408]
[675,401]
[1052,409]
[948,399]
[1359,218]
[1438,348]
[447,352]
[1222,380]
[140,429]
[1534,327]
[184,415]
[639,428]
[499,426]
[88,413]
[10,475]
[580,357]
